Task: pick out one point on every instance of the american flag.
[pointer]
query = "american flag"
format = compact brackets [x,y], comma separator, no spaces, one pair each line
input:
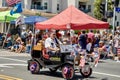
[12,2]
[82,62]
[118,50]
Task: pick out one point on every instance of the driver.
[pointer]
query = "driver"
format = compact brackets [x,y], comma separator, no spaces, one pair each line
[50,44]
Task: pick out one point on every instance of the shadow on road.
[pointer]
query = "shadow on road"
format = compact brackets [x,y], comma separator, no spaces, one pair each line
[59,75]
[101,61]
[105,78]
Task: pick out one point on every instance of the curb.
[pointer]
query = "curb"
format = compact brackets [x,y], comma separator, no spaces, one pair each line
[4,52]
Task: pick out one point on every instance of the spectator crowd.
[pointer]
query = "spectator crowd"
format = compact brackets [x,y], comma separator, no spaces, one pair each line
[108,43]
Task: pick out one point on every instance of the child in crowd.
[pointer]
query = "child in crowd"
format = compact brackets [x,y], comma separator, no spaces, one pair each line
[28,46]
[79,55]
[89,48]
[102,50]
[21,48]
[96,55]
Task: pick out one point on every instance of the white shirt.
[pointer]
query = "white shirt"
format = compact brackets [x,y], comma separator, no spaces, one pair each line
[30,32]
[88,47]
[62,32]
[23,34]
[9,38]
[49,43]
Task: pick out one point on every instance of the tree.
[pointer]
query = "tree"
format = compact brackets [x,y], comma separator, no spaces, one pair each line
[38,14]
[110,5]
[97,4]
[97,13]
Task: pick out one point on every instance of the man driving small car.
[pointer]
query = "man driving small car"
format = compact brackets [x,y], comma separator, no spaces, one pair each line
[51,45]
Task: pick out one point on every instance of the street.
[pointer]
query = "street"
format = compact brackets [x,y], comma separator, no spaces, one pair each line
[13,66]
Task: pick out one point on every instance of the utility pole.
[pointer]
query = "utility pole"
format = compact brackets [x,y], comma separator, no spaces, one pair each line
[114,13]
[106,8]
[115,3]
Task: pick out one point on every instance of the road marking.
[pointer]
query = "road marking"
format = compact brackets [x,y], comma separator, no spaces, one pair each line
[118,76]
[13,59]
[9,77]
[8,65]
[4,66]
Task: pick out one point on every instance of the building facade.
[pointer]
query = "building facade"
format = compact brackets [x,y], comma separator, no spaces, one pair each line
[53,6]
[56,6]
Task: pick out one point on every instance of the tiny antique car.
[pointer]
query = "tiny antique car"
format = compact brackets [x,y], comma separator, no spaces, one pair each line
[62,61]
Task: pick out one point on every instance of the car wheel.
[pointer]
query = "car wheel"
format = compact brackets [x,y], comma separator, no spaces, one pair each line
[68,72]
[86,71]
[34,67]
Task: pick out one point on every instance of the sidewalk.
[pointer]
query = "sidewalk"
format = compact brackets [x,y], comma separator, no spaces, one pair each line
[4,52]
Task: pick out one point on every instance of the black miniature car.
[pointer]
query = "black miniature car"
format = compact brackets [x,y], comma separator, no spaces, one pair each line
[63,61]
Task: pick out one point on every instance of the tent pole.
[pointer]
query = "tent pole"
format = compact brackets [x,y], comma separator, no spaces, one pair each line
[4,31]
[114,13]
[34,33]
[6,35]
[32,39]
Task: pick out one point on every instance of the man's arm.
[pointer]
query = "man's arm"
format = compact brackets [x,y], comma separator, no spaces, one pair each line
[48,46]
[53,49]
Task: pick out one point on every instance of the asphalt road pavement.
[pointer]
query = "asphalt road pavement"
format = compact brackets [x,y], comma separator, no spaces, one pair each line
[13,66]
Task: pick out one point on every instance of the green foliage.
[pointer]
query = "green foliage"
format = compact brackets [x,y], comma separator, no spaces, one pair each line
[87,31]
[76,31]
[38,14]
[110,5]
[110,27]
[97,13]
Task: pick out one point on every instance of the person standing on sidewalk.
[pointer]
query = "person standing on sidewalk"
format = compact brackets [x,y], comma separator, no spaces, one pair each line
[83,40]
[116,42]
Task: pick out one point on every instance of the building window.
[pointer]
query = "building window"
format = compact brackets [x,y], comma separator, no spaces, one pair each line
[36,5]
[89,8]
[117,23]
[58,7]
[82,6]
[4,3]
[45,5]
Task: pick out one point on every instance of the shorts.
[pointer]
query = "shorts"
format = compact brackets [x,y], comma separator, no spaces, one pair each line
[16,46]
[114,50]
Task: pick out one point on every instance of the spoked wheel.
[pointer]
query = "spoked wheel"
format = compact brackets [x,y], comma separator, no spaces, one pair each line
[34,67]
[68,72]
[86,71]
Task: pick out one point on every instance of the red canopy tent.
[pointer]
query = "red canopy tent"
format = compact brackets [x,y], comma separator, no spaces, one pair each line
[73,18]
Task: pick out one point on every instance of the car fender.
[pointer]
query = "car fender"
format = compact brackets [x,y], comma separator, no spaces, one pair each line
[68,63]
[41,64]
